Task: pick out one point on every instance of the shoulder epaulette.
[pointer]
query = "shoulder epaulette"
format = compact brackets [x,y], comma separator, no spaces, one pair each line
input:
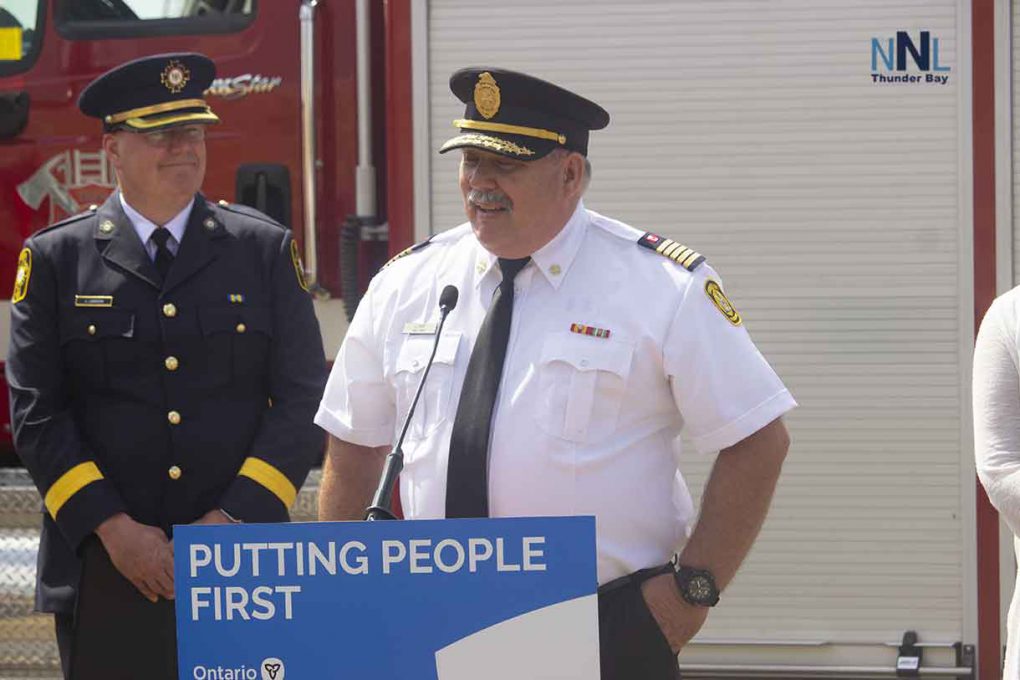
[407,251]
[686,257]
[70,220]
[248,211]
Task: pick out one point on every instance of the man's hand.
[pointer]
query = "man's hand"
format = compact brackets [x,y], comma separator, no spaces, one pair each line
[142,553]
[678,620]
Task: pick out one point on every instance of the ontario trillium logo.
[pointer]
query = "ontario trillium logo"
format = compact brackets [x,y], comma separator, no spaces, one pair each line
[272,669]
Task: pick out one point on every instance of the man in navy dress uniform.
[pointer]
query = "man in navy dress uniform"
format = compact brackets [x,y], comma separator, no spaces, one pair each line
[165,366]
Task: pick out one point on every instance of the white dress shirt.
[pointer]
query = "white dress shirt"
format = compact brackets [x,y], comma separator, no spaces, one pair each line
[997,433]
[583,425]
[144,227]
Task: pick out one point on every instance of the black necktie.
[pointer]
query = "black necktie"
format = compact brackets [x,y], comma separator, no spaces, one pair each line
[164,258]
[467,476]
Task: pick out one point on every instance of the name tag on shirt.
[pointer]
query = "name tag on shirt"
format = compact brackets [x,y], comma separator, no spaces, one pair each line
[420,328]
[93,301]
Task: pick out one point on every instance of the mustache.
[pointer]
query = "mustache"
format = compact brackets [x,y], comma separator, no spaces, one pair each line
[496,198]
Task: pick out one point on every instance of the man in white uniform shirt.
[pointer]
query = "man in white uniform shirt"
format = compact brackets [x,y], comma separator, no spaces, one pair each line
[578,351]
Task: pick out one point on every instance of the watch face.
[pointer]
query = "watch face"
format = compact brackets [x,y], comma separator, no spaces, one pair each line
[700,588]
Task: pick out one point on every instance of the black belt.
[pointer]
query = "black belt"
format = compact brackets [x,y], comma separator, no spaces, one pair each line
[635,578]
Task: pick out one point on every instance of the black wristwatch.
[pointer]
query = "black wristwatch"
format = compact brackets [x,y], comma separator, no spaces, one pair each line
[697,586]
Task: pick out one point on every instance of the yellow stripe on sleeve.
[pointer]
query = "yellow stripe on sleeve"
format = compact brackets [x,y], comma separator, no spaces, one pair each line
[70,483]
[271,478]
[691,258]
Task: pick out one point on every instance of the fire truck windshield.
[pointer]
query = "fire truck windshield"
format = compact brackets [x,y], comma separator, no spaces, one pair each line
[98,19]
[19,31]
[147,10]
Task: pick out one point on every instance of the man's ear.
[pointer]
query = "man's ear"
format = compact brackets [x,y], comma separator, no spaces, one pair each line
[573,173]
[111,145]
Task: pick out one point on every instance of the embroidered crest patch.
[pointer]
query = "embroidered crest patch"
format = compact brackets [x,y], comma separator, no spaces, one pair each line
[299,268]
[175,76]
[23,275]
[719,299]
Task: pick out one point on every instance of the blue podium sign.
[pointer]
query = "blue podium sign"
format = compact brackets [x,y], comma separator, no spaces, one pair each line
[430,599]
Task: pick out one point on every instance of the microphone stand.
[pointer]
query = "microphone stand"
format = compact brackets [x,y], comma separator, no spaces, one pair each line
[383,499]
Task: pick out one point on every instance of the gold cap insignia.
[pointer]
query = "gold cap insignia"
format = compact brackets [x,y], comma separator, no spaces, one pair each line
[487,95]
[23,275]
[299,268]
[722,302]
[175,76]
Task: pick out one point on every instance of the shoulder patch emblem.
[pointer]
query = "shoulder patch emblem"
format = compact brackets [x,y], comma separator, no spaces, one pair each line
[23,275]
[299,268]
[407,251]
[722,303]
[679,253]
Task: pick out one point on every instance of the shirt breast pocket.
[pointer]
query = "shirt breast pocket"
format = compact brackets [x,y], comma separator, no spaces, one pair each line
[434,406]
[582,381]
[98,342]
[237,339]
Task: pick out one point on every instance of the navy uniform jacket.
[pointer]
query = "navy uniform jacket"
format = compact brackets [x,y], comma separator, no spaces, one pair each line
[163,402]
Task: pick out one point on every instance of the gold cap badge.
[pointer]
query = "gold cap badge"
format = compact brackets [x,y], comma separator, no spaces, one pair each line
[487,95]
[175,76]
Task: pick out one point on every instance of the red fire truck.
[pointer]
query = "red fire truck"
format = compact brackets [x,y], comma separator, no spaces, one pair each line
[310,134]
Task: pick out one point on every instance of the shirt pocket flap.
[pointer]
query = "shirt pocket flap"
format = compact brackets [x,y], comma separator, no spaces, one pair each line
[234,318]
[97,324]
[414,352]
[588,354]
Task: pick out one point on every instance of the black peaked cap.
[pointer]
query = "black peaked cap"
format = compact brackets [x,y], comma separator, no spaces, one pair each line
[520,116]
[152,93]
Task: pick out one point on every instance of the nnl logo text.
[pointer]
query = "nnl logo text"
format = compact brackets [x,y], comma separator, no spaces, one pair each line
[890,59]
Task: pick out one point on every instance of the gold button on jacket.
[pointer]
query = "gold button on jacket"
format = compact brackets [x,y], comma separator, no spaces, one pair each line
[174,417]
[174,472]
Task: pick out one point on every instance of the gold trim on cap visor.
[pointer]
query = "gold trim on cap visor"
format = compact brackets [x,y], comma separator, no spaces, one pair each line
[115,118]
[538,133]
[198,117]
[486,142]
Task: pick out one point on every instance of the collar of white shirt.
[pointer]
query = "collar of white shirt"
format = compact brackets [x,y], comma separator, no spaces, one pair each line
[554,258]
[144,227]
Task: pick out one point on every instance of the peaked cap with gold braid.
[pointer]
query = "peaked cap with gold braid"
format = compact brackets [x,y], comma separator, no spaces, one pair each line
[152,93]
[520,116]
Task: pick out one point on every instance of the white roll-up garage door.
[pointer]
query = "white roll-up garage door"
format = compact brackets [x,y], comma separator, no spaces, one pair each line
[837,211]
